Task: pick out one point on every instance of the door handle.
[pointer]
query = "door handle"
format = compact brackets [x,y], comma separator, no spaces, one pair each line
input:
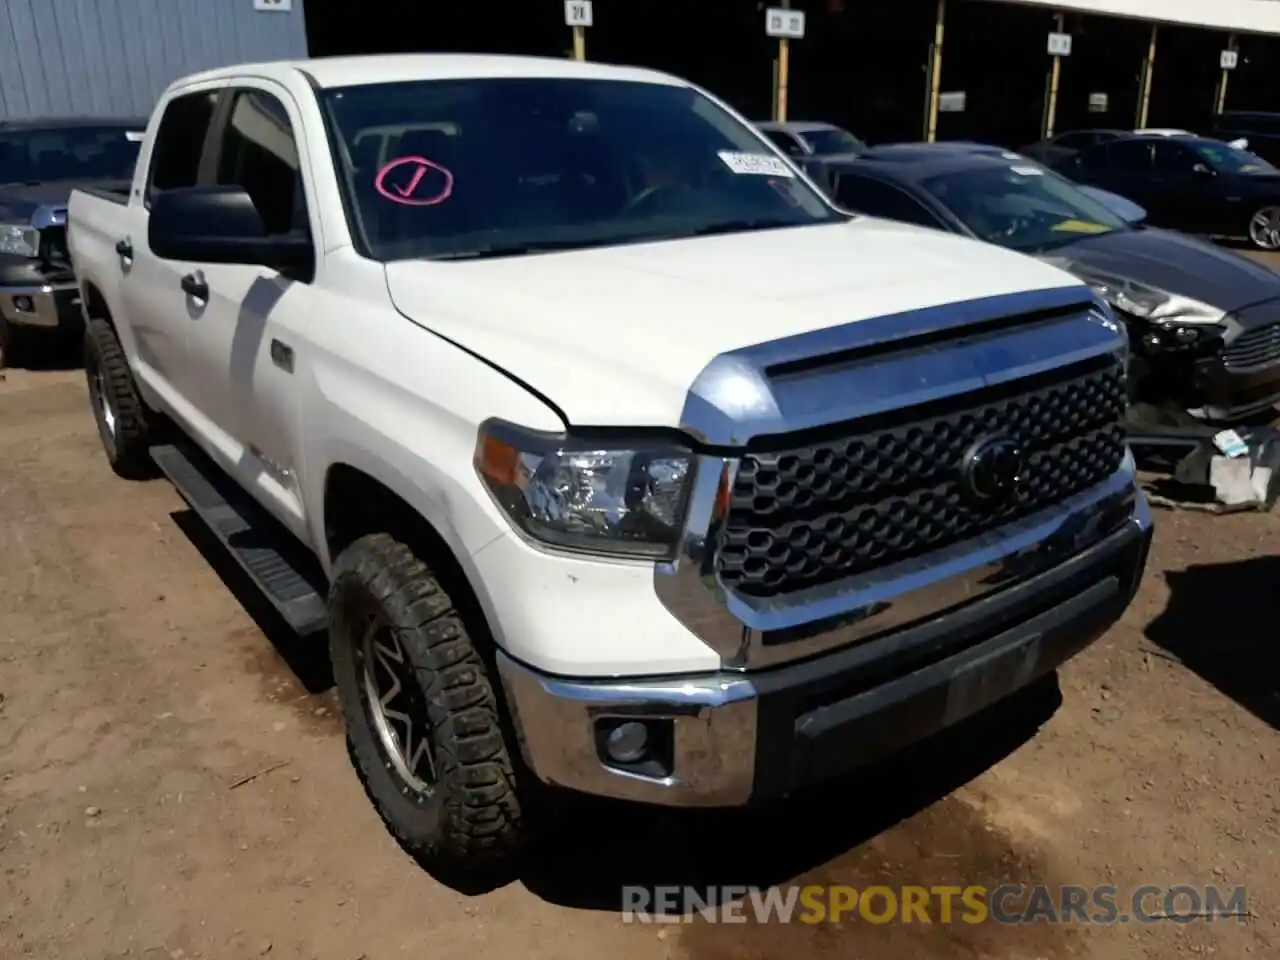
[282,355]
[124,249]
[193,286]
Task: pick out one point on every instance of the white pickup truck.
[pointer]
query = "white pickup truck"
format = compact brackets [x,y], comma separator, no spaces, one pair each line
[608,454]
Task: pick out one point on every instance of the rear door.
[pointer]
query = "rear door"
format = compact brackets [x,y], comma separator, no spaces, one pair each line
[1123,167]
[1185,193]
[151,289]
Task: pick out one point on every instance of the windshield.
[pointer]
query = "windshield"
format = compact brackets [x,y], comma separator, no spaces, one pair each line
[833,141]
[456,168]
[43,155]
[1228,159]
[1022,207]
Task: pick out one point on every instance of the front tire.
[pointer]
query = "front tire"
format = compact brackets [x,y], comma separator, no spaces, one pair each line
[1264,228]
[423,721]
[7,348]
[124,423]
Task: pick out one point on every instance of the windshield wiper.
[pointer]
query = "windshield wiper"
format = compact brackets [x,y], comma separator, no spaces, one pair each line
[522,249]
[547,246]
[739,226]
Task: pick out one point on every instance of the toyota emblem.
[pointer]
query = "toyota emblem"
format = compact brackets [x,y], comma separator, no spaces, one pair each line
[993,471]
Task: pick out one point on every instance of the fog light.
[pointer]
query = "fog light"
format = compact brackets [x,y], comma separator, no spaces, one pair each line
[24,304]
[627,742]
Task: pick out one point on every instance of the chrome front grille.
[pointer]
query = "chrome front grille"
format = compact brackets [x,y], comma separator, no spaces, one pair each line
[1254,348]
[870,493]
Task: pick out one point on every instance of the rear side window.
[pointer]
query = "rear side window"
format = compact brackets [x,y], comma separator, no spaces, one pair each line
[1131,156]
[1075,141]
[175,159]
[259,153]
[785,142]
[878,199]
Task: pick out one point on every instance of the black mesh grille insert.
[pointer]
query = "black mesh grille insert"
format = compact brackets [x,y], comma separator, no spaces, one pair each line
[1254,348]
[876,493]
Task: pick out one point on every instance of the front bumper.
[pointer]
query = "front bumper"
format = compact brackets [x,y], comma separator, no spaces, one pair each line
[1225,394]
[730,738]
[46,306]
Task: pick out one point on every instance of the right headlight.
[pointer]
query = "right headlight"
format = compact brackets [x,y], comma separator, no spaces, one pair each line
[590,496]
[19,240]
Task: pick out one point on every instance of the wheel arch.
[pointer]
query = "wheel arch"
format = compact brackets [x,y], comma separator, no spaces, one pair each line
[357,502]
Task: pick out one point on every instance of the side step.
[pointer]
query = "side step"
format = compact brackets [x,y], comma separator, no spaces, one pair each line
[280,567]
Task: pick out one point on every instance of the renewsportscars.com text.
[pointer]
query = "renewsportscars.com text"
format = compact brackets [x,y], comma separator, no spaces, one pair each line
[973,904]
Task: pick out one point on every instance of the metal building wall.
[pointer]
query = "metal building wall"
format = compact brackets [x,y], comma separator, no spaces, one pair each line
[114,57]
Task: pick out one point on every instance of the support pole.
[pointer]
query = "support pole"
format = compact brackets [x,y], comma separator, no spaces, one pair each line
[579,43]
[935,72]
[781,74]
[1055,73]
[1220,101]
[784,67]
[1148,70]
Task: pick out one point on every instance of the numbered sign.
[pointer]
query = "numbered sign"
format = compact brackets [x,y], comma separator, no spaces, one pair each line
[577,13]
[273,6]
[1229,59]
[1098,102]
[784,24]
[954,101]
[1059,44]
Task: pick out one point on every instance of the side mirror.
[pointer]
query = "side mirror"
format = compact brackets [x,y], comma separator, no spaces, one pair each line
[220,225]
[1203,170]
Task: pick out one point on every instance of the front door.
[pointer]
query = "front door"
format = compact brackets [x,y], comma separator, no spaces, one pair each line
[245,346]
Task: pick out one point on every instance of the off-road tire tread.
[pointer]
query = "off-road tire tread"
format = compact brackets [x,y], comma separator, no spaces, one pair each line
[481,822]
[131,456]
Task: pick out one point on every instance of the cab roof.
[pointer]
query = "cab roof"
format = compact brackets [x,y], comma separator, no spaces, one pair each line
[326,72]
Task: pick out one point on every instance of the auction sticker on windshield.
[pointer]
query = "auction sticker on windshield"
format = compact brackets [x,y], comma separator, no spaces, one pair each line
[758,164]
[1080,226]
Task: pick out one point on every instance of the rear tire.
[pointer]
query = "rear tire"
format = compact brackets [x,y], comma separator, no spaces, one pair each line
[424,728]
[125,426]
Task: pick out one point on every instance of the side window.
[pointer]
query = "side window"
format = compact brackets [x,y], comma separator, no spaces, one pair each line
[1131,156]
[785,142]
[1174,159]
[175,158]
[878,199]
[258,152]
[1074,141]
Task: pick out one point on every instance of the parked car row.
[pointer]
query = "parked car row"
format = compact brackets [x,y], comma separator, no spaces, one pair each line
[603,450]
[1204,321]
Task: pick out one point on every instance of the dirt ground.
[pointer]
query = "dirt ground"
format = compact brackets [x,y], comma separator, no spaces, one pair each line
[140,684]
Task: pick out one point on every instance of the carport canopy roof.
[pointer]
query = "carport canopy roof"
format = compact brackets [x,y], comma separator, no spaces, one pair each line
[1240,16]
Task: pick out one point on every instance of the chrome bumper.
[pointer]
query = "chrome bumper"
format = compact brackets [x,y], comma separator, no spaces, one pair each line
[48,306]
[732,738]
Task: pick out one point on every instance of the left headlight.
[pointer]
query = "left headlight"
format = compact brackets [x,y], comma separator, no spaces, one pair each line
[600,498]
[19,240]
[1148,303]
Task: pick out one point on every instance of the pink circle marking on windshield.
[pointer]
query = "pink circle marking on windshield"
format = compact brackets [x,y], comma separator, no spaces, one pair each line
[405,192]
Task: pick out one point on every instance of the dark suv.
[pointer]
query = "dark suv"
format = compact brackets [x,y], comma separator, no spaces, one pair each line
[40,161]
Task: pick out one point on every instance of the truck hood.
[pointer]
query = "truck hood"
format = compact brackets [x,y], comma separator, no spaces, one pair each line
[1173,263]
[22,201]
[616,336]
